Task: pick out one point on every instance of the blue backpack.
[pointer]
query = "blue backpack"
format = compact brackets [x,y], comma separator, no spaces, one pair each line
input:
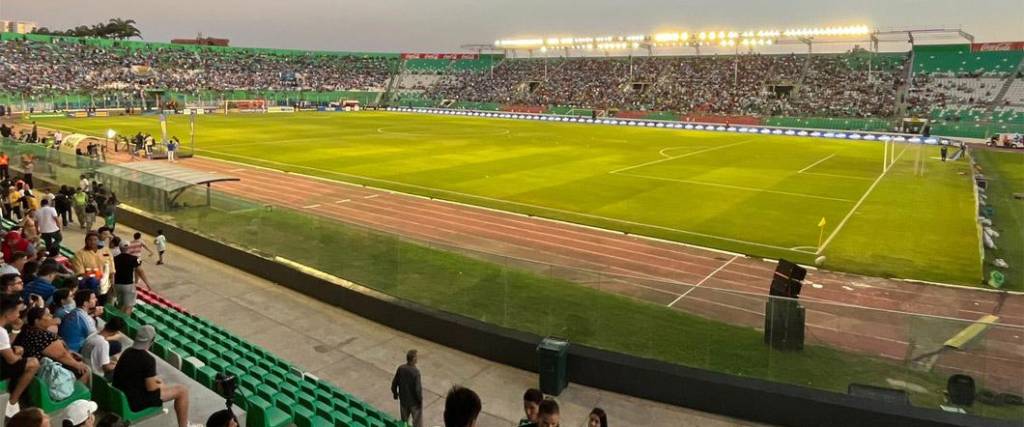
[60,381]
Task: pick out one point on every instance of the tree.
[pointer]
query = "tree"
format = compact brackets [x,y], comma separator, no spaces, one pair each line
[115,28]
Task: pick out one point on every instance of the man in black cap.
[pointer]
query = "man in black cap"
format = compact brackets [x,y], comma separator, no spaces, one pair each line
[135,375]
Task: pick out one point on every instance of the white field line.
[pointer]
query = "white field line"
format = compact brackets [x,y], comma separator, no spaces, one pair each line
[838,176]
[701,282]
[746,141]
[817,163]
[738,187]
[664,151]
[492,199]
[311,206]
[857,205]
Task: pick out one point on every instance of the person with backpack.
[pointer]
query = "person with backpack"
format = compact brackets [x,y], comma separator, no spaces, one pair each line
[39,342]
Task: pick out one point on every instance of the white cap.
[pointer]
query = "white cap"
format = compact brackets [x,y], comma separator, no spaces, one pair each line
[80,410]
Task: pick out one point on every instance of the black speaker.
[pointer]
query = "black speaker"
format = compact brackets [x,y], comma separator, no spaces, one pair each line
[961,390]
[787,280]
[784,324]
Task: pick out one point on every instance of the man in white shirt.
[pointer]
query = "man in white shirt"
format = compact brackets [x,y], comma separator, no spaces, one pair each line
[84,185]
[14,366]
[96,351]
[48,223]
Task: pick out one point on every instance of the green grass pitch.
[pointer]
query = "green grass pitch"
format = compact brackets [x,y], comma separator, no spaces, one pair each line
[755,194]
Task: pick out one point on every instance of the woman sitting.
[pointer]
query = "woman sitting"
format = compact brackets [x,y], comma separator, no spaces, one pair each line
[39,342]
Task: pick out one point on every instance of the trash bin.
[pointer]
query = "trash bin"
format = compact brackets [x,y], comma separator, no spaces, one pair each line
[552,353]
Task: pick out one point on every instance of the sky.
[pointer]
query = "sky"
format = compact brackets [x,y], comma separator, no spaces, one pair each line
[446,25]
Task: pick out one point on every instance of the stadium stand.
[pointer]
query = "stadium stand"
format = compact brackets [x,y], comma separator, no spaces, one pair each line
[273,392]
[958,59]
[951,84]
[843,85]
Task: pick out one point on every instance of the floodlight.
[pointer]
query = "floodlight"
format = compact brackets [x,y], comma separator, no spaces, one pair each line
[111,133]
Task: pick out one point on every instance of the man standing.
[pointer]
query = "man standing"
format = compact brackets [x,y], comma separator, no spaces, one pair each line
[78,201]
[943,151]
[172,145]
[406,387]
[48,222]
[125,264]
[34,137]
[5,163]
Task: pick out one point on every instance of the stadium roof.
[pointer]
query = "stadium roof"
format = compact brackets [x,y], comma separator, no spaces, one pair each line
[163,175]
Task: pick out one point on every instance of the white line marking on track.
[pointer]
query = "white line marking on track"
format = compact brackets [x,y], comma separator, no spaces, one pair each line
[857,205]
[371,196]
[311,206]
[701,282]
[343,201]
[817,163]
[719,147]
[237,170]
[738,187]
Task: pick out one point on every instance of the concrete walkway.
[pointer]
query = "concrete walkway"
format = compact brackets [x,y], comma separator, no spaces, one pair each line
[360,356]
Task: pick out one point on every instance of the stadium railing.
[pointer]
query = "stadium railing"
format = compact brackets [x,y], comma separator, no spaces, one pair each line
[708,328]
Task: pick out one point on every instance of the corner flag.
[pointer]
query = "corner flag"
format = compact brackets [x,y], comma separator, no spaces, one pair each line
[822,222]
[821,232]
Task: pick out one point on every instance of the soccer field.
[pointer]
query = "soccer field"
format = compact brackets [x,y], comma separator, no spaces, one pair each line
[754,194]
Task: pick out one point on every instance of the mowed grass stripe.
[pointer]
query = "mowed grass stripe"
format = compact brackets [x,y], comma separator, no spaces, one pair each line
[560,171]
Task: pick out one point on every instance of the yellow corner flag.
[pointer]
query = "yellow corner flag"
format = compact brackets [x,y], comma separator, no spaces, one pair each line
[821,231]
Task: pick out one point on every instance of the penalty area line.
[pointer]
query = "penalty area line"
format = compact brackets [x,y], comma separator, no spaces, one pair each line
[857,205]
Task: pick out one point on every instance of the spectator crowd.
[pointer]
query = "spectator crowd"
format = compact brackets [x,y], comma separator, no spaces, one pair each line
[752,84]
[51,306]
[37,68]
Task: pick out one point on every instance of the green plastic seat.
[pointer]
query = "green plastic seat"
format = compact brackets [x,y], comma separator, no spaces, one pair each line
[39,394]
[110,399]
[260,413]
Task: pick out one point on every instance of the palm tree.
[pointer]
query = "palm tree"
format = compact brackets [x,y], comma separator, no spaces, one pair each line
[123,28]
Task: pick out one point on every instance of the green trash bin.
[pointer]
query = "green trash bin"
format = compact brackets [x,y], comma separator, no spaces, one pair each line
[552,353]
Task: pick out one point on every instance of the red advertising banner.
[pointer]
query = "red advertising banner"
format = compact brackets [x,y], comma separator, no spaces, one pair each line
[450,56]
[997,47]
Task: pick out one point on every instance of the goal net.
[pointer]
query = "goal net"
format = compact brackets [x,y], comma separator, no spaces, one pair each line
[245,106]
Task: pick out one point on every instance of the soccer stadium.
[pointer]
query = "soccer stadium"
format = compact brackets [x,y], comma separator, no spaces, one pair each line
[807,225]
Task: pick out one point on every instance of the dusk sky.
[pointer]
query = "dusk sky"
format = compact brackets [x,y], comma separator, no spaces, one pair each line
[444,25]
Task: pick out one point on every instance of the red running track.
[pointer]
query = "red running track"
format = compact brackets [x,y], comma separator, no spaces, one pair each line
[864,314]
